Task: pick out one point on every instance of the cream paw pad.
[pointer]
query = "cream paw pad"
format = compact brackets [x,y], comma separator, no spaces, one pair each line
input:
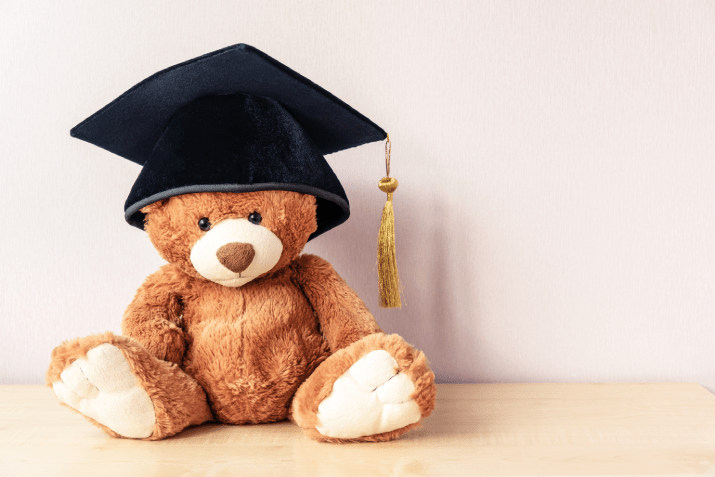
[372,397]
[103,387]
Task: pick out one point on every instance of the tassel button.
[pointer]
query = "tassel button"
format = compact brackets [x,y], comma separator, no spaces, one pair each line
[388,185]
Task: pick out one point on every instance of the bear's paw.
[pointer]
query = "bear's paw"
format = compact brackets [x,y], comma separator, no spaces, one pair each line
[103,387]
[370,398]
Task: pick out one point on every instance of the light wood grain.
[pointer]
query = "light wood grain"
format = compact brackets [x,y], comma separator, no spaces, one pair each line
[477,429]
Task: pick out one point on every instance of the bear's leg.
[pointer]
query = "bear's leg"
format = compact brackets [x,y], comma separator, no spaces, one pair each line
[120,387]
[374,390]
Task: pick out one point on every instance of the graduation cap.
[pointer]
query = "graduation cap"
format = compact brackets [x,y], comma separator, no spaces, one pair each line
[234,120]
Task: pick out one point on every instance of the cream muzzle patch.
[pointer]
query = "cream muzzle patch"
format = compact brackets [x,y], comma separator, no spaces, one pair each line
[235,251]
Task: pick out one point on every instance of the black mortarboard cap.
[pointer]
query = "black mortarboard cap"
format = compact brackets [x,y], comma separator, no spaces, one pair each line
[234,120]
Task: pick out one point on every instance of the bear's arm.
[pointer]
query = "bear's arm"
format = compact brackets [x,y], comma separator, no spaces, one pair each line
[343,316]
[152,317]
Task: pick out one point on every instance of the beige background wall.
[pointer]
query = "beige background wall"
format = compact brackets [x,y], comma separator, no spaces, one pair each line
[555,217]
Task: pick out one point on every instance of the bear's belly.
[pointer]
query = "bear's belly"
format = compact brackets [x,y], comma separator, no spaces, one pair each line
[251,367]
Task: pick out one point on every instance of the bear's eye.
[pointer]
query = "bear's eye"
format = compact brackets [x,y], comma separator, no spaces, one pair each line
[255,218]
[204,224]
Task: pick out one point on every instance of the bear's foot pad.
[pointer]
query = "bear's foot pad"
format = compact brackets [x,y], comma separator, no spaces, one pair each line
[370,398]
[103,387]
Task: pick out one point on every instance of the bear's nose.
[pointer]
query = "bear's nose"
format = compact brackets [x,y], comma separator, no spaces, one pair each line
[236,256]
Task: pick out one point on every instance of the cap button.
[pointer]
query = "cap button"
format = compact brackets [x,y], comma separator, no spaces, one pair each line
[388,184]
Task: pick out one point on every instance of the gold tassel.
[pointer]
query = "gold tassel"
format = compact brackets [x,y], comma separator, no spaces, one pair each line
[388,277]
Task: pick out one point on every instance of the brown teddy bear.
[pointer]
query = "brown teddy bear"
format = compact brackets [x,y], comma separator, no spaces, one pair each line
[238,327]
[293,342]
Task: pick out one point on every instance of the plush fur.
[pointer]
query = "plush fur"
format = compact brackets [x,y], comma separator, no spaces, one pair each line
[265,351]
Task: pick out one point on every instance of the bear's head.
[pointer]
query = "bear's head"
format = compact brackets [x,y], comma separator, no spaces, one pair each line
[231,238]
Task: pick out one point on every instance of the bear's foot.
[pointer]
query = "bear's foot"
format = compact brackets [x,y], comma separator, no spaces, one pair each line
[370,398]
[103,387]
[117,385]
[374,390]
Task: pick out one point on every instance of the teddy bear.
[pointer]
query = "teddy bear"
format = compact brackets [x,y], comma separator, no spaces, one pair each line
[243,332]
[238,326]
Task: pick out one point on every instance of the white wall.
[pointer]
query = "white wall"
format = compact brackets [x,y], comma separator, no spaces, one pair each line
[555,217]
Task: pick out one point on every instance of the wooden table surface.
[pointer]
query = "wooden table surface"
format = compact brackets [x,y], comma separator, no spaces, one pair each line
[477,429]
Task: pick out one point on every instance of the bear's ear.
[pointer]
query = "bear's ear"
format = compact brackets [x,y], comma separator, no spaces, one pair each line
[154,206]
